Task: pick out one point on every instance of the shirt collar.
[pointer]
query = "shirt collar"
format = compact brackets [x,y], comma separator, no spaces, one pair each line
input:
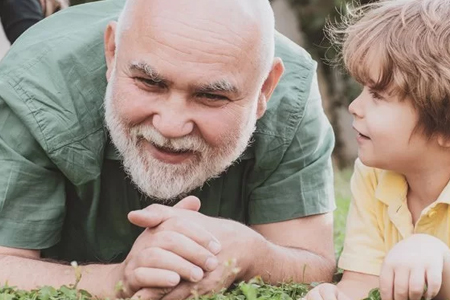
[444,197]
[392,188]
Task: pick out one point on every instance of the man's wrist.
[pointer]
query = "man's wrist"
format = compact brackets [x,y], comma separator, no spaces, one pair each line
[257,258]
[110,287]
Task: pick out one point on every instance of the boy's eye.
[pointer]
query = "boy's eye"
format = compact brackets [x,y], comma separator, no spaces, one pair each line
[375,94]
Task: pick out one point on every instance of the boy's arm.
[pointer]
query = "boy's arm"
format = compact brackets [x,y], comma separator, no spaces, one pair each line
[353,286]
[357,285]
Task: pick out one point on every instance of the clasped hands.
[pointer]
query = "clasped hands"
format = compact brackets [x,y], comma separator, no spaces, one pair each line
[182,250]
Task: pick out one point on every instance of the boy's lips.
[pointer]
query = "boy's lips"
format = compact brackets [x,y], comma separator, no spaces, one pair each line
[360,135]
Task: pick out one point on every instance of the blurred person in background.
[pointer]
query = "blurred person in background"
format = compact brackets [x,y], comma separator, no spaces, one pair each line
[19,15]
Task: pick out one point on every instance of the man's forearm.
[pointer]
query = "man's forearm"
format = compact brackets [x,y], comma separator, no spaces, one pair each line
[278,264]
[29,274]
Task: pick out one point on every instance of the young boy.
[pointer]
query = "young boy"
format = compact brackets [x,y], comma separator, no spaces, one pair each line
[398,229]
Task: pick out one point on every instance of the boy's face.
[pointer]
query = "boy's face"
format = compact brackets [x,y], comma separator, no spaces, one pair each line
[386,131]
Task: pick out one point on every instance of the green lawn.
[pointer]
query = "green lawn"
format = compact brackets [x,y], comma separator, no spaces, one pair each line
[342,192]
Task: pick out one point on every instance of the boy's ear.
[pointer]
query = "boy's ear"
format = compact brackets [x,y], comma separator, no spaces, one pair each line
[110,47]
[269,85]
[443,141]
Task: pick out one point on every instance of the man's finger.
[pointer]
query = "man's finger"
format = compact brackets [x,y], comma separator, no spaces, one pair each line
[189,203]
[150,218]
[155,214]
[162,259]
[187,248]
[153,277]
[194,231]
[182,291]
[150,294]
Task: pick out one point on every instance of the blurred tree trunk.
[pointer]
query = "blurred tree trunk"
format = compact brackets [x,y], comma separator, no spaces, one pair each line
[337,88]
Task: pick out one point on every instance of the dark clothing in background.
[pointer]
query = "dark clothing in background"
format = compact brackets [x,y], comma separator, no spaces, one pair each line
[19,15]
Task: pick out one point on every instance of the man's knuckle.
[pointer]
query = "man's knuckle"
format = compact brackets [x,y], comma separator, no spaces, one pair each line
[151,256]
[168,239]
[179,224]
[138,275]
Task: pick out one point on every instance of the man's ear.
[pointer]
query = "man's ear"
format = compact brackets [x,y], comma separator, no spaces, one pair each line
[269,86]
[110,47]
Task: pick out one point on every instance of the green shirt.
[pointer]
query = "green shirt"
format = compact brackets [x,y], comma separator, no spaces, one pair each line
[62,187]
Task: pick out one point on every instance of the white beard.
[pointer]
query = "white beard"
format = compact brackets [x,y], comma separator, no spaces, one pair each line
[163,181]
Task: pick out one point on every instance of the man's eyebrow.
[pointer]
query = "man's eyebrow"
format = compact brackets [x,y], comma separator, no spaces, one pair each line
[146,69]
[221,86]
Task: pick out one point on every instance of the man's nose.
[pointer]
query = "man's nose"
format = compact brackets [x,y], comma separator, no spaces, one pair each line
[172,118]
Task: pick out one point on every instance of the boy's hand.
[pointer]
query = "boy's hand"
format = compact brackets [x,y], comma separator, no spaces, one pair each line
[326,291]
[412,264]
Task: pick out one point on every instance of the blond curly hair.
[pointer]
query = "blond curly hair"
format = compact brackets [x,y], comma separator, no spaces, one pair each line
[407,43]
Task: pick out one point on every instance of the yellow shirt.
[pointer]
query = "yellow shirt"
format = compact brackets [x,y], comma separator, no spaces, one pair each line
[379,218]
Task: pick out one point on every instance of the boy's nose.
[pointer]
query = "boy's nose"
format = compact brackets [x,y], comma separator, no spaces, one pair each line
[355,108]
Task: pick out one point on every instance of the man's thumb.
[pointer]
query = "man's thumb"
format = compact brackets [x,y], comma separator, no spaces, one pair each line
[189,203]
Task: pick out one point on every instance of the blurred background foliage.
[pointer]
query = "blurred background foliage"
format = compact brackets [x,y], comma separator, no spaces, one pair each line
[337,88]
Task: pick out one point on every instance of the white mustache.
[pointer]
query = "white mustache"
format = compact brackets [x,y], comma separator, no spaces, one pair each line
[192,143]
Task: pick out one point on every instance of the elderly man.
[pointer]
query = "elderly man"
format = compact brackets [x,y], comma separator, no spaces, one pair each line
[186,119]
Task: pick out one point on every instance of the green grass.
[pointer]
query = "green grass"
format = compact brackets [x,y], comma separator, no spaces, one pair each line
[342,194]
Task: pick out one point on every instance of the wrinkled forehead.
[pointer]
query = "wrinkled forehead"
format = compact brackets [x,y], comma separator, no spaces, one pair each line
[204,31]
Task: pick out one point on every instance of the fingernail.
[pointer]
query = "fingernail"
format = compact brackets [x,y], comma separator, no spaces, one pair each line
[140,213]
[196,274]
[214,247]
[173,279]
[211,263]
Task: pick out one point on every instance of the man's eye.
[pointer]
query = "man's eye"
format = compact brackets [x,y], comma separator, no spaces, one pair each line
[149,82]
[212,97]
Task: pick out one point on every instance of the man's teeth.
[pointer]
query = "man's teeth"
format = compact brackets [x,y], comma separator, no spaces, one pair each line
[167,149]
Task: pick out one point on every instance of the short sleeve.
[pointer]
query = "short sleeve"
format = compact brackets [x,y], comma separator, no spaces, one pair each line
[364,249]
[32,201]
[302,183]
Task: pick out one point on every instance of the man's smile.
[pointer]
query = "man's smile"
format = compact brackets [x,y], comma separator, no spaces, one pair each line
[167,155]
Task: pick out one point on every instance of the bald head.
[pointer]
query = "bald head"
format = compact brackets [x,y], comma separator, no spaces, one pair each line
[243,26]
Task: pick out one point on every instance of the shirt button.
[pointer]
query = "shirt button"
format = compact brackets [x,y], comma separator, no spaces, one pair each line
[432,213]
